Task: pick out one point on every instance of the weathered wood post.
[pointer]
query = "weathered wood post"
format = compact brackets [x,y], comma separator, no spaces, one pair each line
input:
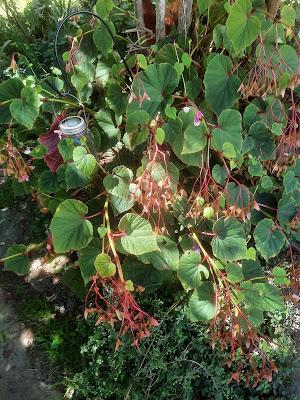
[185,16]
[160,19]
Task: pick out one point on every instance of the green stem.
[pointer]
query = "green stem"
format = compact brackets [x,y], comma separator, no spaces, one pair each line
[112,243]
[34,247]
[69,103]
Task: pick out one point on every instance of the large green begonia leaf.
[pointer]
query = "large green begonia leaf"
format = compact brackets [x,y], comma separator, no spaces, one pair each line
[10,89]
[264,145]
[186,139]
[242,26]
[70,230]
[221,84]
[165,259]
[139,237]
[19,262]
[229,244]
[268,239]
[191,271]
[26,109]
[153,89]
[202,304]
[85,163]
[229,130]
[263,296]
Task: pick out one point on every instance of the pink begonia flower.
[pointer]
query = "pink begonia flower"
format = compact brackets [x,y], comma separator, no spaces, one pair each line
[23,178]
[197,119]
[186,109]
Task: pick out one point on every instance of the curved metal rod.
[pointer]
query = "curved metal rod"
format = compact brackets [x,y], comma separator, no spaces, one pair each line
[72,14]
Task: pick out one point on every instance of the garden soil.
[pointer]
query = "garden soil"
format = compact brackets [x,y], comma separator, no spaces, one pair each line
[22,374]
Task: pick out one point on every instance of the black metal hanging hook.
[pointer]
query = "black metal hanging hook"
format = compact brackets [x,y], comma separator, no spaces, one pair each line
[58,60]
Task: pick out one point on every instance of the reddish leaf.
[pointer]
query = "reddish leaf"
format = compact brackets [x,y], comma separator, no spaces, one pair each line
[50,139]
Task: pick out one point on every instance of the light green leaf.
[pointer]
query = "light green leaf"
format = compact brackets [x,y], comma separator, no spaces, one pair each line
[26,109]
[221,85]
[70,230]
[263,296]
[202,303]
[280,276]
[118,182]
[66,147]
[155,85]
[138,235]
[191,272]
[142,61]
[19,263]
[102,39]
[165,259]
[84,162]
[268,239]
[288,15]
[102,231]
[104,266]
[242,26]
[104,8]
[160,135]
[75,178]
[234,273]
[229,131]
[229,244]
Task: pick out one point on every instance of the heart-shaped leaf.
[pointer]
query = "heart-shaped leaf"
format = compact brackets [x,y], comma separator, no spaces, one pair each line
[264,145]
[70,230]
[152,89]
[268,239]
[242,26]
[221,85]
[202,304]
[104,266]
[84,162]
[26,109]
[138,235]
[229,244]
[191,272]
[229,131]
[19,262]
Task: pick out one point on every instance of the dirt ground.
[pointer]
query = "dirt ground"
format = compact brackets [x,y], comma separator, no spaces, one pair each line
[22,374]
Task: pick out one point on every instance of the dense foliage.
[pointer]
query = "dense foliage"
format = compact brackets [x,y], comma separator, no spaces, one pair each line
[187,177]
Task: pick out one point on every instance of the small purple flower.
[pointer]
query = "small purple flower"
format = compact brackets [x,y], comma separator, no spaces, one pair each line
[199,115]
[186,109]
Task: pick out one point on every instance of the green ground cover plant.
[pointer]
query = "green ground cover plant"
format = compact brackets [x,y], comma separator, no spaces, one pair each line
[189,175]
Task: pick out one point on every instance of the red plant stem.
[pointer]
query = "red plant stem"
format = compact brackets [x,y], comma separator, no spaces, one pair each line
[94,215]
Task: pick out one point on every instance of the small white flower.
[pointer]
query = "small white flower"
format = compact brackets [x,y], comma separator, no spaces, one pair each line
[186,109]
[27,150]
